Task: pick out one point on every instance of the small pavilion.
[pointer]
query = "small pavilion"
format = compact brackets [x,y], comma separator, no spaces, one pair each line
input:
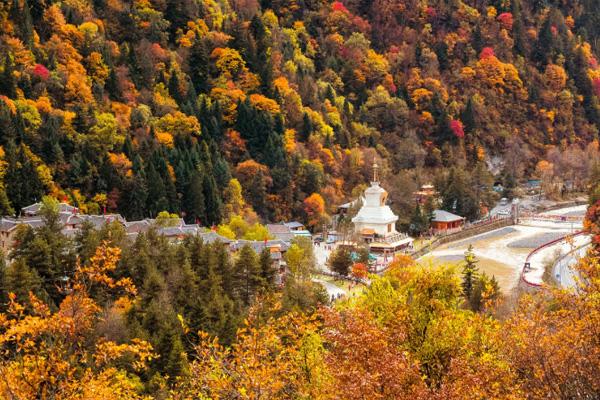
[444,221]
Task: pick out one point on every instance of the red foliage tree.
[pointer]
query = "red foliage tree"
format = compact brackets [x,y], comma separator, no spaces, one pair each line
[457,128]
[41,72]
[487,52]
[506,19]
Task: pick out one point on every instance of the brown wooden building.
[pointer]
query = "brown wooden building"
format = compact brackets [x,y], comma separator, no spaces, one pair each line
[446,221]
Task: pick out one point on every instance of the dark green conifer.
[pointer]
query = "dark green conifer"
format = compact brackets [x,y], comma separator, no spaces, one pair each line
[8,83]
[199,63]
[157,198]
[470,273]
[268,270]
[193,199]
[246,275]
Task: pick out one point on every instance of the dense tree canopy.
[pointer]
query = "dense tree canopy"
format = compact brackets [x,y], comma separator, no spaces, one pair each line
[157,105]
[233,113]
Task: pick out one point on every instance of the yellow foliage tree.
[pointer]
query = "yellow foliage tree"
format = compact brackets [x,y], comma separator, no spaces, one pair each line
[49,354]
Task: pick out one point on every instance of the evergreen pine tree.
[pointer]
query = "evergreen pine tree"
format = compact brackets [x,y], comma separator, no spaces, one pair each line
[307,128]
[8,83]
[199,63]
[5,206]
[23,183]
[517,28]
[174,88]
[176,365]
[135,194]
[157,198]
[458,196]
[21,15]
[217,307]
[419,221]
[224,268]
[19,279]
[484,289]
[468,117]
[112,86]
[477,40]
[247,275]
[212,200]
[469,273]
[193,199]
[128,147]
[268,271]
[262,57]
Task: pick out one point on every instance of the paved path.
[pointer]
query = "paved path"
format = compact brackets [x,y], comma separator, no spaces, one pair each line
[563,268]
[539,260]
[568,211]
[321,255]
[332,290]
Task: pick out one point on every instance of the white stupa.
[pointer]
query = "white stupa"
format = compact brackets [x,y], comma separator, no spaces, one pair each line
[375,217]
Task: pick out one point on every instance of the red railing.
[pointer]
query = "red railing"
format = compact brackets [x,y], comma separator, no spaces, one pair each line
[540,217]
[553,242]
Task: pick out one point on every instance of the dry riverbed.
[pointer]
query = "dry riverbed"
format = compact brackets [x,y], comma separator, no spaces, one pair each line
[502,252]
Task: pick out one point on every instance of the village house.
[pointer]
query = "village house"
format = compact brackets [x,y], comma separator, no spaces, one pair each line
[277,249]
[295,226]
[281,231]
[175,230]
[286,231]
[34,209]
[426,192]
[8,228]
[444,221]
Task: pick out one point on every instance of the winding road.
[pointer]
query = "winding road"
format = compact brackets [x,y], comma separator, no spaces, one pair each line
[563,269]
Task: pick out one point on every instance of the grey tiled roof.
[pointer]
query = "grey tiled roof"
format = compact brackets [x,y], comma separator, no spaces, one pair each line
[445,216]
[210,237]
[34,209]
[294,224]
[34,222]
[7,224]
[171,231]
[134,227]
[281,231]
[99,220]
[259,245]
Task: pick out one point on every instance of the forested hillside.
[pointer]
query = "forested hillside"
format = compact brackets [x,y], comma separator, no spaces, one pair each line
[143,106]
[235,113]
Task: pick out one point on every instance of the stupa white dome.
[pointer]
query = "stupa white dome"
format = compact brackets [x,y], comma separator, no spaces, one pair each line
[375,215]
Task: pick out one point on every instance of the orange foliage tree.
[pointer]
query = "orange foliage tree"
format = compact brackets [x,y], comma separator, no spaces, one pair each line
[359,270]
[49,354]
[365,361]
[273,359]
[552,341]
[314,206]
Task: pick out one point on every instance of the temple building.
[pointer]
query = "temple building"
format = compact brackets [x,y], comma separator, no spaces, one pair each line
[444,221]
[376,222]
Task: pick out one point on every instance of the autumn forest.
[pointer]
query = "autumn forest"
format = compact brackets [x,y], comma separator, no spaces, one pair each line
[233,114]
